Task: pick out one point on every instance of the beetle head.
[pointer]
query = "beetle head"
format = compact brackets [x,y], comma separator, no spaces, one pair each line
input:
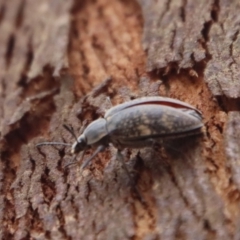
[93,135]
[79,145]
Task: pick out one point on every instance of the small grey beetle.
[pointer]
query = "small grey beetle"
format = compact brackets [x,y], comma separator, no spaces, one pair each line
[136,124]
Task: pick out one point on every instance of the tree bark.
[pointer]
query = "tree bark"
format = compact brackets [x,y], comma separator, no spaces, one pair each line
[59,63]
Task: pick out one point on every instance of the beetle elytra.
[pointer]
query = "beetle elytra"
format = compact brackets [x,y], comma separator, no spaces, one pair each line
[136,124]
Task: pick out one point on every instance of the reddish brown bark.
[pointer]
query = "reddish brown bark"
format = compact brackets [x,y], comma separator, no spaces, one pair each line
[60,62]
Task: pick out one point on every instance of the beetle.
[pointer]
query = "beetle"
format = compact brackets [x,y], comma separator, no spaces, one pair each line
[137,123]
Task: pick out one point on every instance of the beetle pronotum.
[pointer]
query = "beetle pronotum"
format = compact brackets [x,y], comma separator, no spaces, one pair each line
[136,124]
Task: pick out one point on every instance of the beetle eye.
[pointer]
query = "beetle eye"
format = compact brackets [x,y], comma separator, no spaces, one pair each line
[79,145]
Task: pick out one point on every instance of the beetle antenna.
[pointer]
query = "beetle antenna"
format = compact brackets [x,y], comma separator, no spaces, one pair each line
[98,150]
[70,129]
[53,143]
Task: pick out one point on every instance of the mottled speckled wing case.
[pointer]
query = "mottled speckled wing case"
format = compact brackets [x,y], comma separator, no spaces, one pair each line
[152,117]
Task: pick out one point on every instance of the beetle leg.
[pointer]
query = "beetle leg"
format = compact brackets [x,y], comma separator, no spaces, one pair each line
[70,130]
[98,150]
[74,161]
[121,159]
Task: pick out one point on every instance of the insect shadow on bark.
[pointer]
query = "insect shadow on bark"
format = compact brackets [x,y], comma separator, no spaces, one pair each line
[170,156]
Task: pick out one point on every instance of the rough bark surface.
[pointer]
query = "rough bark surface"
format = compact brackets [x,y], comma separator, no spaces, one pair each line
[59,63]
